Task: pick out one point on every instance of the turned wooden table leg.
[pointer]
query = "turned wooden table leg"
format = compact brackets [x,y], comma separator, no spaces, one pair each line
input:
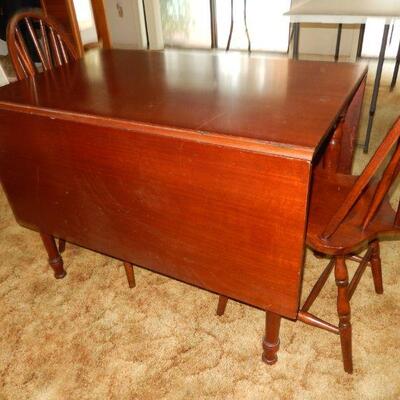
[55,259]
[222,300]
[271,339]
[376,267]
[61,245]
[332,154]
[130,274]
[343,309]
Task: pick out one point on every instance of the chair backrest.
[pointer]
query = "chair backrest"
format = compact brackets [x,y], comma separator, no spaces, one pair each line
[32,35]
[388,176]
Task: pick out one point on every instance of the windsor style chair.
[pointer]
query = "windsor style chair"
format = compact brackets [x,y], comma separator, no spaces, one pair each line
[364,215]
[32,35]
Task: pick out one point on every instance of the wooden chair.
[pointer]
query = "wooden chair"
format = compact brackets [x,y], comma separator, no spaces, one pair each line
[45,39]
[31,34]
[364,215]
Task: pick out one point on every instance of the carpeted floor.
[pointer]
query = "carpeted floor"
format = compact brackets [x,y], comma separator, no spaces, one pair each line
[90,337]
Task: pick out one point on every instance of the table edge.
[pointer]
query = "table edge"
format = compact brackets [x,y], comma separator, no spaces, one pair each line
[336,18]
[239,142]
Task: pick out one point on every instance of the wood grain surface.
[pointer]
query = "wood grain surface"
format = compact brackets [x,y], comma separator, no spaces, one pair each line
[210,215]
[194,165]
[271,100]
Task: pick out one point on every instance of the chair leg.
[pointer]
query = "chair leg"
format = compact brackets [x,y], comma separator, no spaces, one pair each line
[376,267]
[271,339]
[343,308]
[55,259]
[61,245]
[221,305]
[130,274]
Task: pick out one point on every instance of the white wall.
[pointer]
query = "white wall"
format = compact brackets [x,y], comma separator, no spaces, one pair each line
[3,48]
[125,22]
[154,25]
[84,15]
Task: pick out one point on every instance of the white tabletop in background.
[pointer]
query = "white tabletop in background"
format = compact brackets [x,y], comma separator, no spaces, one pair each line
[344,11]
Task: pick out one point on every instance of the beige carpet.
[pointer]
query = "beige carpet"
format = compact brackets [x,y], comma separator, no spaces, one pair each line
[90,337]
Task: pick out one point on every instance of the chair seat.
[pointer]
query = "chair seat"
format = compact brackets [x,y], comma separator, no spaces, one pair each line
[328,193]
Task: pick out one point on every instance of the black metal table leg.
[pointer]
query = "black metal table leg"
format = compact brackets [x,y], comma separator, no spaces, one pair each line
[360,41]
[296,39]
[396,70]
[375,93]
[228,46]
[213,24]
[338,39]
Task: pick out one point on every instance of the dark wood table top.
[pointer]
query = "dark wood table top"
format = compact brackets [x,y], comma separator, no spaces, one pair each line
[275,101]
[193,164]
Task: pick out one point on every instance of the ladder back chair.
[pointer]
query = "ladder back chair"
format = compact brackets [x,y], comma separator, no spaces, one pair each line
[348,214]
[33,36]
